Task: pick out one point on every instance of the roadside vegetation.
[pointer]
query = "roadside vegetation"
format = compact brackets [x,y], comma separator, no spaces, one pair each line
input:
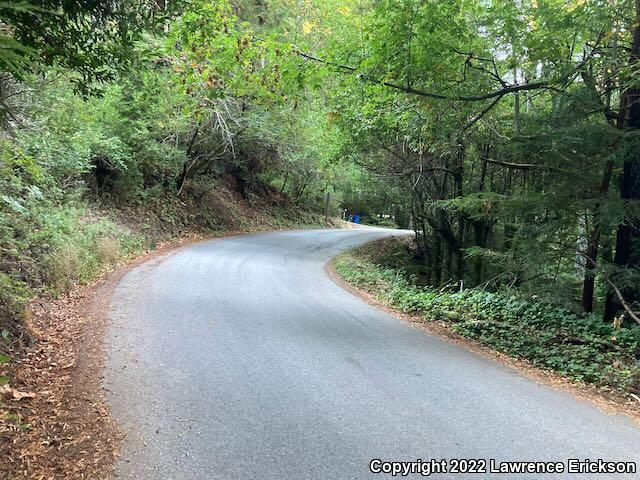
[108,146]
[580,347]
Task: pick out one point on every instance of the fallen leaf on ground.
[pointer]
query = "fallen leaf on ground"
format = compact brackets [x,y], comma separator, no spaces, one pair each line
[17,395]
[7,391]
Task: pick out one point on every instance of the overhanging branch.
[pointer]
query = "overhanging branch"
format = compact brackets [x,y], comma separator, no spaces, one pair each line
[414,91]
[506,90]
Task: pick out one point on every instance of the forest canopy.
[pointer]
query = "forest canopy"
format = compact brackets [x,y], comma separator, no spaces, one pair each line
[504,133]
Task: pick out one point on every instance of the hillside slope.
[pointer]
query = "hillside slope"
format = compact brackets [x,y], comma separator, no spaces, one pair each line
[53,419]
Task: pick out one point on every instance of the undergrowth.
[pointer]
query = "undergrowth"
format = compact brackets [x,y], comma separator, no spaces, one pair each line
[582,348]
[52,239]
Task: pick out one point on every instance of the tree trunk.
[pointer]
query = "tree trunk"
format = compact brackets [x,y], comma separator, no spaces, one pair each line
[185,167]
[457,261]
[458,264]
[284,183]
[593,245]
[436,262]
[326,207]
[516,106]
[628,234]
[480,235]
[446,262]
[627,237]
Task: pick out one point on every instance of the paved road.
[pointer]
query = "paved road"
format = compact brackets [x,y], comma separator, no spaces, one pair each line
[241,359]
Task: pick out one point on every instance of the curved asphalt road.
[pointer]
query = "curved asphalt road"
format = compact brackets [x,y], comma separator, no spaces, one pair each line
[241,359]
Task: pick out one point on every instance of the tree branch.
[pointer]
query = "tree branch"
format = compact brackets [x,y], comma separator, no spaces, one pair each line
[615,288]
[414,91]
[519,166]
[407,161]
[521,87]
[481,114]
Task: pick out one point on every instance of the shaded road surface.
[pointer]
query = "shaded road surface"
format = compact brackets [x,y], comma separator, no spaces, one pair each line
[241,359]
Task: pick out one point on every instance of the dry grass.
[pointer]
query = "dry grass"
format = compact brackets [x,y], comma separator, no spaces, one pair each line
[108,250]
[62,267]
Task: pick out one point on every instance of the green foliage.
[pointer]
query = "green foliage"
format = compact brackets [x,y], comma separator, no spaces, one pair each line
[77,247]
[218,56]
[14,296]
[47,236]
[379,221]
[580,347]
[89,38]
[494,130]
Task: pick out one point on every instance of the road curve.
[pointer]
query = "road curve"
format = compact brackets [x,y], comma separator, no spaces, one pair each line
[240,358]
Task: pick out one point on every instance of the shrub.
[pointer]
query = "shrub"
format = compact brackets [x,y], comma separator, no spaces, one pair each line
[79,246]
[14,295]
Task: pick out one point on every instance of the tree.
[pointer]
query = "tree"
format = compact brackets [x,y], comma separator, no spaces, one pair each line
[91,39]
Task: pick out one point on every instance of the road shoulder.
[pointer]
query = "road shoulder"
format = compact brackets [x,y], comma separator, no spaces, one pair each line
[606,402]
